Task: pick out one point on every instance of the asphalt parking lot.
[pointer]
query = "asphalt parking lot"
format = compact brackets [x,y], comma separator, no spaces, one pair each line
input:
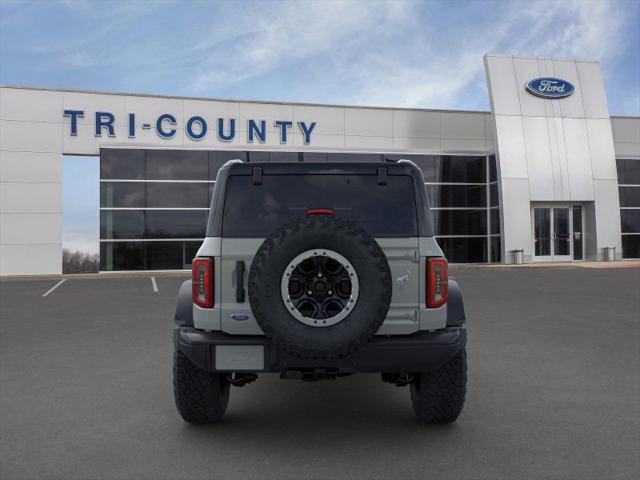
[554,390]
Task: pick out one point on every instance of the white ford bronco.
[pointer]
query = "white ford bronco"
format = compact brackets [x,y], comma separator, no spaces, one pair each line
[317,271]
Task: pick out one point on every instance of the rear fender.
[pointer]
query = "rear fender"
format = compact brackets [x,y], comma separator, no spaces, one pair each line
[455,306]
[184,305]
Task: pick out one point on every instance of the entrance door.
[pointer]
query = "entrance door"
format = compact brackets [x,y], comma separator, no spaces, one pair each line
[557,233]
[542,234]
[561,234]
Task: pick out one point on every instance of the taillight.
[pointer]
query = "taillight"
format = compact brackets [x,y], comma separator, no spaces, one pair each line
[320,211]
[437,282]
[202,282]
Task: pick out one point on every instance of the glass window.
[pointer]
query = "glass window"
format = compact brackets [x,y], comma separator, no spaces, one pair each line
[258,156]
[177,165]
[629,196]
[494,218]
[457,195]
[176,223]
[165,255]
[122,256]
[460,222]
[354,157]
[496,254]
[190,251]
[177,195]
[121,224]
[628,171]
[284,157]
[493,169]
[122,195]
[631,246]
[314,156]
[494,200]
[122,164]
[463,250]
[460,169]
[630,221]
[218,158]
[257,210]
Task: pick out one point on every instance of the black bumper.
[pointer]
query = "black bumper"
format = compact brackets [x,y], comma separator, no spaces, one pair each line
[420,352]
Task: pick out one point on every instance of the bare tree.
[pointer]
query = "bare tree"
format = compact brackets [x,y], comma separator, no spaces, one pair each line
[79,262]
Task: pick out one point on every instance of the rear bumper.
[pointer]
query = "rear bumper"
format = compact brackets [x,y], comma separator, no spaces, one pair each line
[420,352]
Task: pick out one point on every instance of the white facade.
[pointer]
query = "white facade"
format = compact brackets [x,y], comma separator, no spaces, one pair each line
[548,150]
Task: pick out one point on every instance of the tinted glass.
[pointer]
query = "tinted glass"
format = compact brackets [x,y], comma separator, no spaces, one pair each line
[354,157]
[258,156]
[190,251]
[122,195]
[122,256]
[314,156]
[457,195]
[177,195]
[631,246]
[628,171]
[257,210]
[496,254]
[176,224]
[218,158]
[123,164]
[493,195]
[577,232]
[561,232]
[461,170]
[630,221]
[164,255]
[177,165]
[460,222]
[121,224]
[629,196]
[462,250]
[542,231]
[284,157]
[494,218]
[493,169]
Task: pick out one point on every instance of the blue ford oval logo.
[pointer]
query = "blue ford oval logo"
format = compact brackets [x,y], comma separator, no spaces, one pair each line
[550,87]
[240,317]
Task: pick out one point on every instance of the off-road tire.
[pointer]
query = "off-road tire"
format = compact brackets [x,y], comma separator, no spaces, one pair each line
[201,396]
[438,397]
[317,232]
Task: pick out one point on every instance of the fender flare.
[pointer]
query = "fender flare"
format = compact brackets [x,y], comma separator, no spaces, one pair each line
[455,305]
[184,305]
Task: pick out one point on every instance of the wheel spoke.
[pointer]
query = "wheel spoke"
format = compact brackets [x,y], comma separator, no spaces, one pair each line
[318,287]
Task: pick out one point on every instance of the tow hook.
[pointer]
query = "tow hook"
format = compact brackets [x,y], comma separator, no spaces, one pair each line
[241,379]
[398,379]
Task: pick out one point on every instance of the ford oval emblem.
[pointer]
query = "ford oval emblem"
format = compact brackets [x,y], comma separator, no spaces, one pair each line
[240,317]
[550,87]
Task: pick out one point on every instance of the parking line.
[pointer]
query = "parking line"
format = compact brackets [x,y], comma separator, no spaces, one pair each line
[54,287]
[155,285]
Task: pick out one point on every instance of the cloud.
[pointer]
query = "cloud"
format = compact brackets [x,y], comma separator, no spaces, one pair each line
[392,53]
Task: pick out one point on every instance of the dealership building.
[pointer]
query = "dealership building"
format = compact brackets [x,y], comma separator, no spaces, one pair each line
[546,175]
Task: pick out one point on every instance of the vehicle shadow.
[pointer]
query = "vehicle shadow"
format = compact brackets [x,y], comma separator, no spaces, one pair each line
[326,416]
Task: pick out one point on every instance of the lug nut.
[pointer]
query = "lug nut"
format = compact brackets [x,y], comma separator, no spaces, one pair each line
[309,292]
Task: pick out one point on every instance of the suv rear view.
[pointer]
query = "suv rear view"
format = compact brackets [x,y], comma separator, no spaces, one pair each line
[315,271]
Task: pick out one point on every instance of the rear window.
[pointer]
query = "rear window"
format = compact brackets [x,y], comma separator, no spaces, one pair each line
[257,210]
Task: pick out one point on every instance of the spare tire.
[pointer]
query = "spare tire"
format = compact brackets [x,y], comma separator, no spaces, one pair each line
[320,287]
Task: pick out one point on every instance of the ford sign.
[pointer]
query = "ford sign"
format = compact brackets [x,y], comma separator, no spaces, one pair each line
[550,87]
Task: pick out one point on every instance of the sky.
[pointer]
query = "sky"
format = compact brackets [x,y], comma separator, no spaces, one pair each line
[385,53]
